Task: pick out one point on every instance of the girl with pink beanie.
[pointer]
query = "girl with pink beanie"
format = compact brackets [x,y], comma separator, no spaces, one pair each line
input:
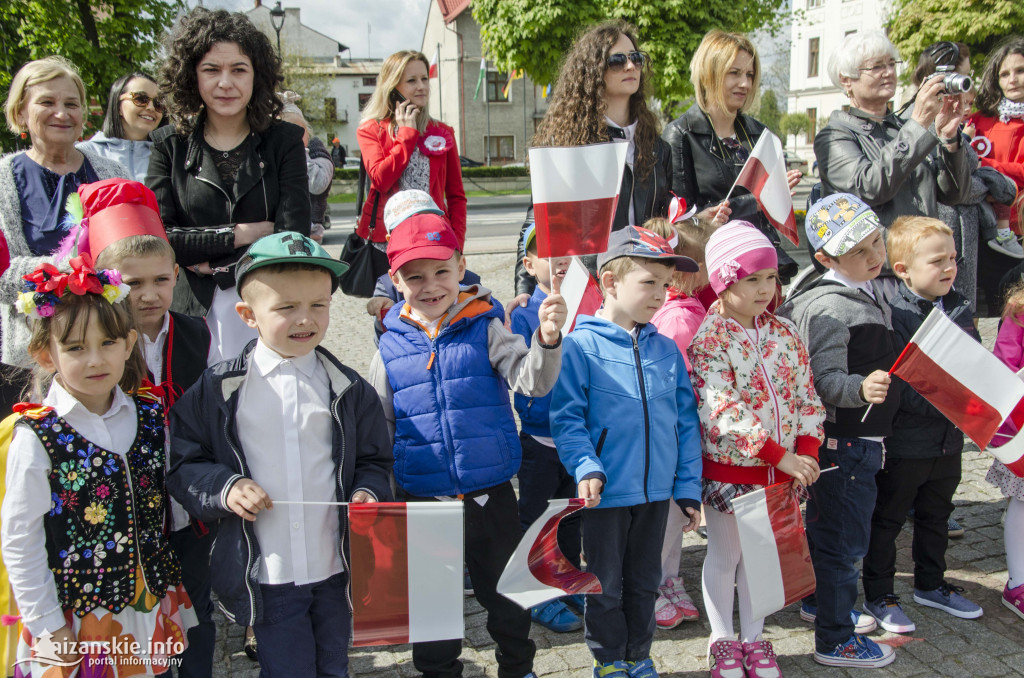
[761,424]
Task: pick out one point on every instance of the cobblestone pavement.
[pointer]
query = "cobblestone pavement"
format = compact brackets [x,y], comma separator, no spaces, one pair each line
[941,646]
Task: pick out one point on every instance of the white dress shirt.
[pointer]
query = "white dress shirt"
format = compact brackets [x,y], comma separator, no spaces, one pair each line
[27,500]
[286,430]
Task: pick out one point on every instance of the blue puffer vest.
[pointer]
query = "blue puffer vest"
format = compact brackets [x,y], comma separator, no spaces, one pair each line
[454,430]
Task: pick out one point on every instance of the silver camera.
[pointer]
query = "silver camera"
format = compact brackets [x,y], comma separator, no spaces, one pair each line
[953,82]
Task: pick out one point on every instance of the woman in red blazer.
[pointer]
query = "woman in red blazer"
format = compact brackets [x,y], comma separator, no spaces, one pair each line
[403,148]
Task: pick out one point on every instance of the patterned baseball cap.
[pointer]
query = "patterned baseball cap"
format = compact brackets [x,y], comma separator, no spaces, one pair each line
[287,248]
[404,204]
[425,236]
[633,241]
[836,224]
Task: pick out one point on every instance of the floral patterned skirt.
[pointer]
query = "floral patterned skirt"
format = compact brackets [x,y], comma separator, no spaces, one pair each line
[138,641]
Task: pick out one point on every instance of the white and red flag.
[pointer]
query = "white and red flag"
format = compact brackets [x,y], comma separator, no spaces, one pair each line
[969,385]
[575,191]
[774,548]
[764,175]
[406,572]
[581,293]
[538,571]
[432,73]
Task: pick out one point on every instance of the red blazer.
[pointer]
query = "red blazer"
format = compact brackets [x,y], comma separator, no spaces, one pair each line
[386,157]
[1007,148]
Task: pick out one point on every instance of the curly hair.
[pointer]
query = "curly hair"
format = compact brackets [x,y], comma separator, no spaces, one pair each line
[194,36]
[576,114]
[989,91]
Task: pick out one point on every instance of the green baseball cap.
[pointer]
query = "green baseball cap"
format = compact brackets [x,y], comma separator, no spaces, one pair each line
[287,247]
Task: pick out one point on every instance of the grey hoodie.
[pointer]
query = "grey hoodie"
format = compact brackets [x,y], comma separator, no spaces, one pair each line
[132,155]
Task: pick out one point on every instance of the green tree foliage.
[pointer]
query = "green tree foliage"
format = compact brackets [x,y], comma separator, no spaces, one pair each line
[534,35]
[769,112]
[794,123]
[103,38]
[915,24]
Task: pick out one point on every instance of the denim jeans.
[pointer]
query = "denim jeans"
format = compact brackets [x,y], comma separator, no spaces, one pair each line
[838,528]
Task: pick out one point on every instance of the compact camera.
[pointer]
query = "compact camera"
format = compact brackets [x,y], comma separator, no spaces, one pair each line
[953,82]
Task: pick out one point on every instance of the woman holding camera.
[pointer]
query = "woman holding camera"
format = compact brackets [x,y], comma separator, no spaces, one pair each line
[404,148]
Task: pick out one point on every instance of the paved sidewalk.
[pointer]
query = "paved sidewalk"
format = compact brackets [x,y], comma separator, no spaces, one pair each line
[941,646]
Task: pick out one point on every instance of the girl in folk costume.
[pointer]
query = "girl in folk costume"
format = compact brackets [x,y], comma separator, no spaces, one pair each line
[84,514]
[761,423]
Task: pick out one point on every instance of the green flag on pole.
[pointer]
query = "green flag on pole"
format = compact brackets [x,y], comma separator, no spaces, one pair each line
[481,78]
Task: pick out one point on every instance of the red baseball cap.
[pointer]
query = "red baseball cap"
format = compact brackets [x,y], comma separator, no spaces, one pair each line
[421,236]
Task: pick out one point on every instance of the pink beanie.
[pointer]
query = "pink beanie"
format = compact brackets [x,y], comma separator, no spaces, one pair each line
[736,250]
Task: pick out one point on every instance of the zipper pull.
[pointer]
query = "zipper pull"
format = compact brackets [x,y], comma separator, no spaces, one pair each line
[430,363]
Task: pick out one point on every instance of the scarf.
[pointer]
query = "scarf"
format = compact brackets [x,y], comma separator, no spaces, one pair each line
[1010,109]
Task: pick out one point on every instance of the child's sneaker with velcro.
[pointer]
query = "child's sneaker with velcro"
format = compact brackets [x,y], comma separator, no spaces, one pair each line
[862,623]
[725,659]
[759,660]
[666,615]
[889,613]
[616,669]
[859,652]
[642,669]
[555,616]
[675,592]
[1014,599]
[948,599]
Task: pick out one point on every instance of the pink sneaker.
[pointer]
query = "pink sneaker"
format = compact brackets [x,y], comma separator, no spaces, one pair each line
[666,616]
[677,595]
[725,659]
[1014,599]
[759,660]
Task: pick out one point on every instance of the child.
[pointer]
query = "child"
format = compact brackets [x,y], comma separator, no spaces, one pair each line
[541,475]
[625,424]
[678,319]
[922,469]
[131,239]
[845,322]
[1010,349]
[85,477]
[284,420]
[441,374]
[741,349]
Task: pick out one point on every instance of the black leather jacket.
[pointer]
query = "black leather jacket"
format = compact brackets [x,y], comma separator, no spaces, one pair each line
[703,177]
[200,214]
[650,197]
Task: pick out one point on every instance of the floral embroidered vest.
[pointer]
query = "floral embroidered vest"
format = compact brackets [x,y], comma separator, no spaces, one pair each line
[106,517]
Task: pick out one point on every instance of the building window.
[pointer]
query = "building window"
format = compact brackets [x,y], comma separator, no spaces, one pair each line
[363,99]
[812,57]
[811,4]
[330,108]
[501,148]
[370,81]
[812,129]
[495,84]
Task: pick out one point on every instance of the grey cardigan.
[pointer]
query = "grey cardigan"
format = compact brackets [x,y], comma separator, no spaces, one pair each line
[14,330]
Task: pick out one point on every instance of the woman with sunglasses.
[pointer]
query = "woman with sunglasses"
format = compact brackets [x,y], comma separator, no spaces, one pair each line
[601,95]
[134,109]
[714,137]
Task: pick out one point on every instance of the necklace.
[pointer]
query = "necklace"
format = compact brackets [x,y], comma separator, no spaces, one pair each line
[224,149]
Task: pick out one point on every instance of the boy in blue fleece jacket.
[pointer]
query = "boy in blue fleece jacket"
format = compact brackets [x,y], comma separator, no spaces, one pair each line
[624,420]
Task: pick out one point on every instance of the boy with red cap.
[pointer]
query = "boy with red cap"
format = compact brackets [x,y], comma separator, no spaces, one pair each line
[441,374]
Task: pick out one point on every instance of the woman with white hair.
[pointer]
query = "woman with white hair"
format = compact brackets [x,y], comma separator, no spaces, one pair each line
[874,154]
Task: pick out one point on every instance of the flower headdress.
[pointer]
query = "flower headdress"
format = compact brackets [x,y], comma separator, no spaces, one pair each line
[45,286]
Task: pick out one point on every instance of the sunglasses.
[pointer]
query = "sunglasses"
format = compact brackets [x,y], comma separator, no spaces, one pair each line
[141,99]
[617,61]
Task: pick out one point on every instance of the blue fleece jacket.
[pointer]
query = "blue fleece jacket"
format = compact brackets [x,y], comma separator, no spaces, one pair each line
[625,408]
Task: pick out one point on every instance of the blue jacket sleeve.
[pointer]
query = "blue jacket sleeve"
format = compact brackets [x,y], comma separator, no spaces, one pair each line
[568,415]
[520,325]
[689,467]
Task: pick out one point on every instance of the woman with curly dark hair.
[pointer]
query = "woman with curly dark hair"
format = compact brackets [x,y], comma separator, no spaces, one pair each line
[601,95]
[228,172]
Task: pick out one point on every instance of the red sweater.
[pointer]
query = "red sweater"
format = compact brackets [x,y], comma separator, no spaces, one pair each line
[1006,152]
[386,157]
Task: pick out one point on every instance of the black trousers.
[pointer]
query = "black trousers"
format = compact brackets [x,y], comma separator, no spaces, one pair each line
[623,548]
[542,477]
[492,534]
[928,486]
[193,551]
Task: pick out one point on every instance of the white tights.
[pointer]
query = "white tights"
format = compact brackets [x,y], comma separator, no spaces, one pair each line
[723,570]
[1013,537]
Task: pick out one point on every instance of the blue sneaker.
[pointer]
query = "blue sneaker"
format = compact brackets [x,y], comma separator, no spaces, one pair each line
[889,613]
[575,601]
[642,669]
[862,623]
[555,616]
[948,599]
[618,669]
[859,652]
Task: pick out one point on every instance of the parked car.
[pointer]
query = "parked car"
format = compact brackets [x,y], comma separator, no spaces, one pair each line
[469,162]
[794,162]
[351,163]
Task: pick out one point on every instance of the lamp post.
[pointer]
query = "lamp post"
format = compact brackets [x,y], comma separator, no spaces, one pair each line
[277,21]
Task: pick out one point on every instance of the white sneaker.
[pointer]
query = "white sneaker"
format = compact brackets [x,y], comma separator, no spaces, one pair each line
[1007,243]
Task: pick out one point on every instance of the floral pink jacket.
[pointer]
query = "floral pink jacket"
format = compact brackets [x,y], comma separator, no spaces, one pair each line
[755,404]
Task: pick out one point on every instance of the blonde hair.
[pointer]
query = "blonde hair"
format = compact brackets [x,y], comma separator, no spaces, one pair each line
[619,267]
[692,237]
[1014,305]
[906,232]
[711,62]
[379,107]
[134,246]
[35,73]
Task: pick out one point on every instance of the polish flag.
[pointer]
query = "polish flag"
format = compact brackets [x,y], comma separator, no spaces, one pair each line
[406,572]
[433,63]
[969,385]
[764,175]
[575,191]
[581,293]
[538,571]
[774,547]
